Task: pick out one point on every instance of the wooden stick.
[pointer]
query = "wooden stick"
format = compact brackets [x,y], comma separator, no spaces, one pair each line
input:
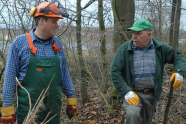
[175,37]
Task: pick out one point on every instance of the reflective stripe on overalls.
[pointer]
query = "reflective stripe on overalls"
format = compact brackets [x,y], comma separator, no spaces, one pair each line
[41,71]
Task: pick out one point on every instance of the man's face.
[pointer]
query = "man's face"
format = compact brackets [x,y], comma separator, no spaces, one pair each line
[141,38]
[51,26]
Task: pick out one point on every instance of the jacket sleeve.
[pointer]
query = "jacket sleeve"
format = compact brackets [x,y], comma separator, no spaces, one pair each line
[179,62]
[117,67]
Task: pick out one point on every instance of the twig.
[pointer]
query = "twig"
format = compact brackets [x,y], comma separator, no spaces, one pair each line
[16,93]
[88,4]
[107,104]
[50,118]
[41,94]
[39,104]
[46,117]
[30,104]
[32,111]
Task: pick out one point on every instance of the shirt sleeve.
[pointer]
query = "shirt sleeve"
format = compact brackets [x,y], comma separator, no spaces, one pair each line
[11,71]
[67,86]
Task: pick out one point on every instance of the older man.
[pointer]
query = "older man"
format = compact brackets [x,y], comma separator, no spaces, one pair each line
[137,72]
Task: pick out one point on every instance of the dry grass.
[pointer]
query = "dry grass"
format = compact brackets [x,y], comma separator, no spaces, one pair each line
[32,113]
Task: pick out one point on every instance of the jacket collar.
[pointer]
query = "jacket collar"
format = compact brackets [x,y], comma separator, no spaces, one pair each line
[157,43]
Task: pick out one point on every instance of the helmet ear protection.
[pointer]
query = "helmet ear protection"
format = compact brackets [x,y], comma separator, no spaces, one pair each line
[42,10]
[33,11]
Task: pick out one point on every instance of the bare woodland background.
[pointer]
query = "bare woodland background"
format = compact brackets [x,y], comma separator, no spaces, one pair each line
[91,36]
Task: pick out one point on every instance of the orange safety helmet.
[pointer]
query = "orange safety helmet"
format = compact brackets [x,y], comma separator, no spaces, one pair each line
[49,9]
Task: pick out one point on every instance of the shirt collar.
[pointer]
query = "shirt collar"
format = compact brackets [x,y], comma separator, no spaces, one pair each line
[35,38]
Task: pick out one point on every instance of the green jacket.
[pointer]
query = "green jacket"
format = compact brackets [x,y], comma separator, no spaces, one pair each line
[122,67]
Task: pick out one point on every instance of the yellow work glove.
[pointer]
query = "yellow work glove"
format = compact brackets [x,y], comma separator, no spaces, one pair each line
[8,115]
[132,98]
[178,79]
[71,109]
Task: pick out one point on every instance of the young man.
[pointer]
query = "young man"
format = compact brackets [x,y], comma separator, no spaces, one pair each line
[137,72]
[37,59]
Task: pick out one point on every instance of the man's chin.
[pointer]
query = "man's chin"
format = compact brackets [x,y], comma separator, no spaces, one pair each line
[53,34]
[136,44]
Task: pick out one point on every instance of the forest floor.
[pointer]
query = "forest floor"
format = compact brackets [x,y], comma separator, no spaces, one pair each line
[97,112]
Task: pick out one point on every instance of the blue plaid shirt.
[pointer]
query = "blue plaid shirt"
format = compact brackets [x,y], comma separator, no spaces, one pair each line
[144,60]
[18,60]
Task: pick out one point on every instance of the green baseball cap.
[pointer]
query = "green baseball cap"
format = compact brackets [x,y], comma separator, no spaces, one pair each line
[140,25]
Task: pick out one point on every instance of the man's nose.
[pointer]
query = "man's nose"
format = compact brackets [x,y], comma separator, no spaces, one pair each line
[57,25]
[134,36]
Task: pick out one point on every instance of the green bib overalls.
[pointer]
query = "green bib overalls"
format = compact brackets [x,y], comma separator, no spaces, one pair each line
[39,75]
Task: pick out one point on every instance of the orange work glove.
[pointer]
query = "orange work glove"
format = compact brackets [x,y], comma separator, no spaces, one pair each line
[8,115]
[132,98]
[71,109]
[178,79]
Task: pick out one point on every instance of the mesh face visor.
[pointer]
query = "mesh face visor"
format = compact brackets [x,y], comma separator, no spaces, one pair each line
[60,10]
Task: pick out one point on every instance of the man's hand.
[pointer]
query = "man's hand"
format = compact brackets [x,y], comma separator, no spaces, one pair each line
[71,109]
[132,98]
[178,79]
[8,115]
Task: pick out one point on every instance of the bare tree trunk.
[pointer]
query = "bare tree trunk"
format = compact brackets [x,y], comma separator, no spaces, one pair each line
[177,23]
[172,23]
[103,46]
[160,21]
[84,95]
[124,11]
[2,68]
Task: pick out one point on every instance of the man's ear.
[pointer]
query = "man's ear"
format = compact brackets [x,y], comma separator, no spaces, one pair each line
[41,21]
[149,33]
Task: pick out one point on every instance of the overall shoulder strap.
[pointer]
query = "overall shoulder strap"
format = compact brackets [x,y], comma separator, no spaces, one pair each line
[57,48]
[34,49]
[31,46]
